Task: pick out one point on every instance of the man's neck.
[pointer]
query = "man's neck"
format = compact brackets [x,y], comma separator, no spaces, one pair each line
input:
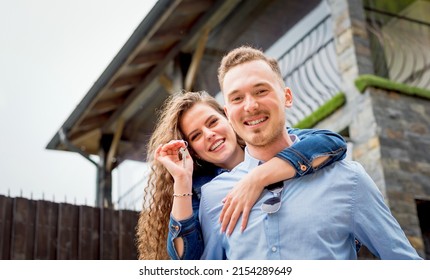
[265,153]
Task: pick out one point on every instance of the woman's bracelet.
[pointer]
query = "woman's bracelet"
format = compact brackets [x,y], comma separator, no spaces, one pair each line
[182,194]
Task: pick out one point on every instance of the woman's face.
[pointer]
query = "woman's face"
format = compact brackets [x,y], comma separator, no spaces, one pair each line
[211,136]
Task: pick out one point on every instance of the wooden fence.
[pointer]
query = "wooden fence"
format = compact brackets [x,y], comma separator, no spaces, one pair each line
[36,229]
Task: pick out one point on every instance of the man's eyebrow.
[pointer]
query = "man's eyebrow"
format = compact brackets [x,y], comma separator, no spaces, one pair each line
[232,92]
[259,84]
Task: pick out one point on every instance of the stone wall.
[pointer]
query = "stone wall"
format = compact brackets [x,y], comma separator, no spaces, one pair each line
[389,131]
[404,137]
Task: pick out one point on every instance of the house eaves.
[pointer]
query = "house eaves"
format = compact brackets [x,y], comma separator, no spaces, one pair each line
[133,76]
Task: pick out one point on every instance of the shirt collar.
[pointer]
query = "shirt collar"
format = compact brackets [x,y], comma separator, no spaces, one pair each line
[252,162]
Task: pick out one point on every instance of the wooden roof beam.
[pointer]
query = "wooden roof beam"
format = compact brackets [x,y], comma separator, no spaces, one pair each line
[105,106]
[197,58]
[146,60]
[166,83]
[125,83]
[113,150]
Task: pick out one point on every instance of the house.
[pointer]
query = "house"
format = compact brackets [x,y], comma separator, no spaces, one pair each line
[358,67]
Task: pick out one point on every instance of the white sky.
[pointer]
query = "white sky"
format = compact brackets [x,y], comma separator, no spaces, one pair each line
[51,52]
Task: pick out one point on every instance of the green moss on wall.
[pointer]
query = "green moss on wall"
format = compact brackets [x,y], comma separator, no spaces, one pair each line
[365,81]
[361,83]
[388,5]
[322,112]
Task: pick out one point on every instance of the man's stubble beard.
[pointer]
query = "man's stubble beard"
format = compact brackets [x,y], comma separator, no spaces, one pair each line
[259,140]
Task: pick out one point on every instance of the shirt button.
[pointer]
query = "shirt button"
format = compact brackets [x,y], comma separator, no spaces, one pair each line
[274,249]
[175,227]
[303,167]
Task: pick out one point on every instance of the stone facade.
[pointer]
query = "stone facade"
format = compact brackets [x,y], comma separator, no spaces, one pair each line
[354,59]
[404,137]
[390,131]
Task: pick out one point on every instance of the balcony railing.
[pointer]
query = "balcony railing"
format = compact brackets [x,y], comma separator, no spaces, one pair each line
[400,47]
[309,68]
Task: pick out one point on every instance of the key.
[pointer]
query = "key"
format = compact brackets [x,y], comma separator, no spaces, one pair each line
[183,152]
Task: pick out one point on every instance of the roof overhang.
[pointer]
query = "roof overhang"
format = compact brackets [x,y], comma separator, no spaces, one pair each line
[123,101]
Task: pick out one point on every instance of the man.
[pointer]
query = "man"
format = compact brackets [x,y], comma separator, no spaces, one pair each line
[313,217]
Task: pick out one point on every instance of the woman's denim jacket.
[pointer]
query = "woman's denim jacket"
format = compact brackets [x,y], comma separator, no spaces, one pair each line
[312,144]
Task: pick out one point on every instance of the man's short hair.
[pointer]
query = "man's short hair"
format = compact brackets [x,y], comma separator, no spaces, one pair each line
[242,55]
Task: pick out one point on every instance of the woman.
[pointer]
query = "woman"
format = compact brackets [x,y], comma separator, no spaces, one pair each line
[213,147]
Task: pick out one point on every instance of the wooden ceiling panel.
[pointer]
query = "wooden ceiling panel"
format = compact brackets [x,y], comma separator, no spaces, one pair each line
[124,83]
[87,141]
[90,123]
[158,46]
[145,60]
[174,34]
[111,94]
[106,105]
[192,7]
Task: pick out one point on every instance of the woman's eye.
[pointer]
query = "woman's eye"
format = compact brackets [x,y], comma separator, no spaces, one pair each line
[213,122]
[194,136]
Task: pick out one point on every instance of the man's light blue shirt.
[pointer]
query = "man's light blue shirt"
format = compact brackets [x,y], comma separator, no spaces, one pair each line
[320,217]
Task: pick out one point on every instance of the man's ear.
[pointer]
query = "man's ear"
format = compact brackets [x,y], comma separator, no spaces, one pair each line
[225,111]
[288,97]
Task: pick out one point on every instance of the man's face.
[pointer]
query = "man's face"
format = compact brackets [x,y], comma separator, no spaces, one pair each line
[255,102]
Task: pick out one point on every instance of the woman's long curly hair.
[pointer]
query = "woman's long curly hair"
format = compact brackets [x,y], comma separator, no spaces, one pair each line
[152,227]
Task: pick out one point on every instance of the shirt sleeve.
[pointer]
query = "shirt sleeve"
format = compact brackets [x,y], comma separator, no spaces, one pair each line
[213,249]
[313,143]
[373,223]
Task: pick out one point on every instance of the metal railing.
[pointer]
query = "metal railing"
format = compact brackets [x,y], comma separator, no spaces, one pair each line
[400,47]
[310,69]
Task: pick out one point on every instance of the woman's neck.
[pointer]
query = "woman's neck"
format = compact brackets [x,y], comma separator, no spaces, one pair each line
[237,157]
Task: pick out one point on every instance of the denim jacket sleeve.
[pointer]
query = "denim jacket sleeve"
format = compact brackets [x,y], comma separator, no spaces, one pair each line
[189,230]
[313,143]
[191,234]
